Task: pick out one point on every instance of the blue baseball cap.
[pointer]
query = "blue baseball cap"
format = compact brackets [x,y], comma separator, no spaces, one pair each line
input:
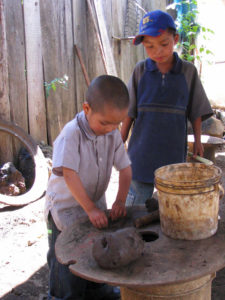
[153,24]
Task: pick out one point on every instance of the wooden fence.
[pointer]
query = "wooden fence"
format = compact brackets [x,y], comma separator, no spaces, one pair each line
[38,39]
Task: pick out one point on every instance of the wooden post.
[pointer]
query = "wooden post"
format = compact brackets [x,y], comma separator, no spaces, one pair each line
[5,139]
[82,65]
[110,62]
[35,82]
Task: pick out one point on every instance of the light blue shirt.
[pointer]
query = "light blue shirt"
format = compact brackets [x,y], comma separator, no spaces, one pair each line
[92,158]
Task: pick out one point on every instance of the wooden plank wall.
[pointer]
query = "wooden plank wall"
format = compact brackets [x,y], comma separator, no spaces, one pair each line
[39,37]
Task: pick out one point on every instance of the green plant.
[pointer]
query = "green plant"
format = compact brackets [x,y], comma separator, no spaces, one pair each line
[62,82]
[189,30]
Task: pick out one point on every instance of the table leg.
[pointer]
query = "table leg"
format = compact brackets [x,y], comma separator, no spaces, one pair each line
[198,289]
[209,152]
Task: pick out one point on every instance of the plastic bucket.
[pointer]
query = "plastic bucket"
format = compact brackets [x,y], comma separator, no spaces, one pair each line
[188,195]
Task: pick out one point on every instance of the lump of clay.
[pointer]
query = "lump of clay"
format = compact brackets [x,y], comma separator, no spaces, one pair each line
[117,249]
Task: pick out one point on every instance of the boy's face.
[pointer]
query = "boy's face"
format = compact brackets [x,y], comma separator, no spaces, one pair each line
[160,48]
[106,120]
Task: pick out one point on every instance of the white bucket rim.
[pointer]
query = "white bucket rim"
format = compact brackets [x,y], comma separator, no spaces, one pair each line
[161,180]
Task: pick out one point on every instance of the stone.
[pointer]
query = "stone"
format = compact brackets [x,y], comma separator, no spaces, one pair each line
[118,249]
[221,116]
[213,127]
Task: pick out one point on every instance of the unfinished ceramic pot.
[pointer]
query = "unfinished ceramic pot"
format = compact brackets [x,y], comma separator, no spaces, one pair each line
[117,249]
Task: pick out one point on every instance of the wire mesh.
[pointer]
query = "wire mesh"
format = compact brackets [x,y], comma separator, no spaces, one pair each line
[134,14]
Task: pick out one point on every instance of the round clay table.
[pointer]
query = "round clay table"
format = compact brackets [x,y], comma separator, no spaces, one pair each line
[210,144]
[168,269]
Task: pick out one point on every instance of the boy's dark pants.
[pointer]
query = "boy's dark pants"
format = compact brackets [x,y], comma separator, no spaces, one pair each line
[62,283]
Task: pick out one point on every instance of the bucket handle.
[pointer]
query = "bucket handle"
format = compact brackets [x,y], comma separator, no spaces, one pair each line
[201,159]
[221,191]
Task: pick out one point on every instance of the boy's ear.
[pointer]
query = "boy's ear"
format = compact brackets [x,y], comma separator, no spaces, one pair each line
[86,108]
[176,38]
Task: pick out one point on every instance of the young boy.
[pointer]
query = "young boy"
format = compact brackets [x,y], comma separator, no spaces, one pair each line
[83,156]
[164,91]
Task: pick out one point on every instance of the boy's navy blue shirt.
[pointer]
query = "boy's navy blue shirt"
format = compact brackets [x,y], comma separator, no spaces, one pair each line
[162,106]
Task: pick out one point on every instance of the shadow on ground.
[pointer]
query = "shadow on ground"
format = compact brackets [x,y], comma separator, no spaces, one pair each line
[35,288]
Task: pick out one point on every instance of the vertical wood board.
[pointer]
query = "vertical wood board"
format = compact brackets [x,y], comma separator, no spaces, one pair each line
[58,57]
[6,152]
[4,86]
[106,42]
[80,40]
[96,66]
[36,98]
[16,62]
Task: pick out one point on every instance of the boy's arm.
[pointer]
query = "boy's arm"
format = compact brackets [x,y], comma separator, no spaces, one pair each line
[126,128]
[96,216]
[198,147]
[118,208]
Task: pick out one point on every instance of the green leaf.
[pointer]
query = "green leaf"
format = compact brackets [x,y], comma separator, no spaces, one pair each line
[192,47]
[210,30]
[190,58]
[186,44]
[191,33]
[53,86]
[195,28]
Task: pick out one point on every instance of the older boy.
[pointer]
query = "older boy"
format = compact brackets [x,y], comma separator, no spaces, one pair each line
[164,91]
[83,156]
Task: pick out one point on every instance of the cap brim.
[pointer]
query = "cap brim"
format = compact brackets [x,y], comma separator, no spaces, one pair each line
[139,38]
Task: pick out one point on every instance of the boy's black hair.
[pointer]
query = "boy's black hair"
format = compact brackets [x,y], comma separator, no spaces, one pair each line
[172,31]
[107,89]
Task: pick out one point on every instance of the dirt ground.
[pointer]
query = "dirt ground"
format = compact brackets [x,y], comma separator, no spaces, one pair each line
[23,244]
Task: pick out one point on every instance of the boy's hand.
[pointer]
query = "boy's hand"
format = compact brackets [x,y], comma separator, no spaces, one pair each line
[118,210]
[98,218]
[198,149]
